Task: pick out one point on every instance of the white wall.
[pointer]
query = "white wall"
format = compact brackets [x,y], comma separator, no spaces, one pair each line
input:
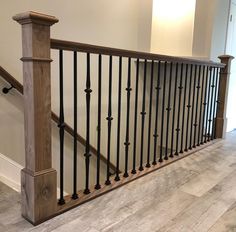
[219,33]
[210,28]
[172,27]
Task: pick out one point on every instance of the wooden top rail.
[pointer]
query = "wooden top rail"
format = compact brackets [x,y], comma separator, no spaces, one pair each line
[19,87]
[11,80]
[93,49]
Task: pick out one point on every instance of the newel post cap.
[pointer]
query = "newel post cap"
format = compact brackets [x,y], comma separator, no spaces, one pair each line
[226,57]
[35,17]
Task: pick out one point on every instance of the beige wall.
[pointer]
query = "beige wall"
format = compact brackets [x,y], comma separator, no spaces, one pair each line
[122,24]
[108,23]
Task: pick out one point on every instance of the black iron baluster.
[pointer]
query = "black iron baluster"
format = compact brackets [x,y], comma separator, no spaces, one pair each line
[135,117]
[188,106]
[75,195]
[87,147]
[117,178]
[127,143]
[143,114]
[163,112]
[215,103]
[193,106]
[183,116]
[211,107]
[208,105]
[150,117]
[201,104]
[155,135]
[196,110]
[109,119]
[179,107]
[98,186]
[168,109]
[174,106]
[204,123]
[61,126]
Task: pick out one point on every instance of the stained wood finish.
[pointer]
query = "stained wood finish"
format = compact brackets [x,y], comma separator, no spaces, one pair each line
[19,87]
[93,49]
[38,179]
[11,80]
[221,120]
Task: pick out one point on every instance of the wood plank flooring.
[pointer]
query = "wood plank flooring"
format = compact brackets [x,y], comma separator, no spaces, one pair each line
[195,194]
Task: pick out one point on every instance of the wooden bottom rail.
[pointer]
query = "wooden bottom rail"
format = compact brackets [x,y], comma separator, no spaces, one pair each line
[83,198]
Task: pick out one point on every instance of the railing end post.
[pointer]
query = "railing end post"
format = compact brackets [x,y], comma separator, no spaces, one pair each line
[38,178]
[221,120]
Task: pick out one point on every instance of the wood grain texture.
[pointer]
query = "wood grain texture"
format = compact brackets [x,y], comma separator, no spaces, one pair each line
[74,46]
[221,121]
[38,179]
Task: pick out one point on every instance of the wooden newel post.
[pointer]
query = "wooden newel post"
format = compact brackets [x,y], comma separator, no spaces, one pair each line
[38,178]
[221,120]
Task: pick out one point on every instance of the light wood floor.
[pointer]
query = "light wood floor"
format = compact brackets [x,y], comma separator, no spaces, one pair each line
[195,194]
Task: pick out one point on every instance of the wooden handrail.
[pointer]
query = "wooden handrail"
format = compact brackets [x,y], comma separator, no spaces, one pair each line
[19,87]
[94,49]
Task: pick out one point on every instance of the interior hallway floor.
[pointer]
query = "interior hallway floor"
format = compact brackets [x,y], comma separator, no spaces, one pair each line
[197,193]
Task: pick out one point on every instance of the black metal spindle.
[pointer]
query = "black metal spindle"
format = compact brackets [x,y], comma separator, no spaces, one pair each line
[143,114]
[208,105]
[201,105]
[193,107]
[135,118]
[75,195]
[87,154]
[173,114]
[61,126]
[183,113]
[117,178]
[150,117]
[197,107]
[98,186]
[127,143]
[204,123]
[179,108]
[211,107]
[163,112]
[155,135]
[168,109]
[188,107]
[215,103]
[109,119]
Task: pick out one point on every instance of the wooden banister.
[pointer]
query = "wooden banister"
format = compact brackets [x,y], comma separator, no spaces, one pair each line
[38,178]
[11,80]
[19,87]
[221,120]
[93,49]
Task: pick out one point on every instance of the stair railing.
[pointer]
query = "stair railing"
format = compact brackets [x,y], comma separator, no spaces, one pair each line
[186,111]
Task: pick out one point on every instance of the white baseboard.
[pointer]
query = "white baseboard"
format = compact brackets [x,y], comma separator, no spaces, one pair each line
[10,174]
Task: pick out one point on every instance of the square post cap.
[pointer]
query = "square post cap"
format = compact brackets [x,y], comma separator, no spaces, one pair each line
[35,17]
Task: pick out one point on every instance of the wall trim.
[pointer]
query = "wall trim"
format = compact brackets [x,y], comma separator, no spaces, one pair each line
[10,172]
